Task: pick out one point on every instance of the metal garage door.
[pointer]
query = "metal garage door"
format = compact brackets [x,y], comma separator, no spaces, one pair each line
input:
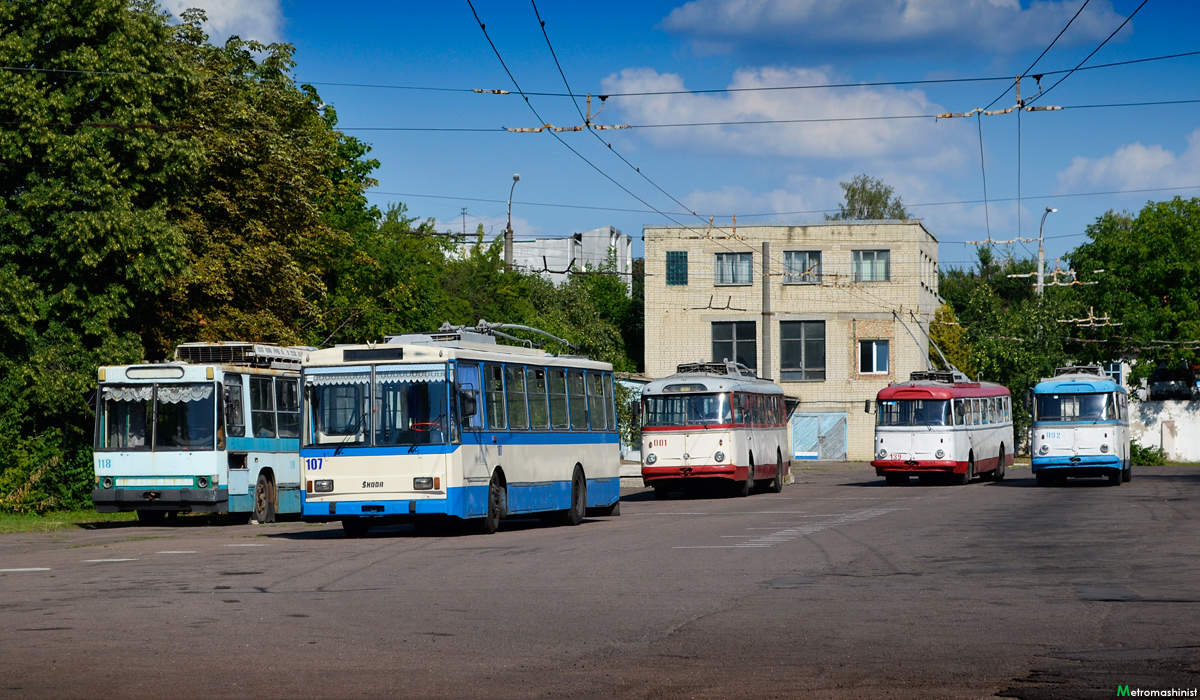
[819,436]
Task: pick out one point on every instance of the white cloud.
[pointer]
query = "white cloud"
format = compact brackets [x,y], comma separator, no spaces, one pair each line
[925,143]
[997,26]
[1136,166]
[260,20]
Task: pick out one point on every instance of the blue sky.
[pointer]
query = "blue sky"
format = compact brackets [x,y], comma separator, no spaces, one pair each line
[761,172]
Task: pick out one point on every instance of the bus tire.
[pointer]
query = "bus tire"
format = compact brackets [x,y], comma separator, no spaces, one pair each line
[489,523]
[1115,478]
[748,485]
[965,478]
[151,517]
[355,528]
[997,474]
[578,509]
[661,493]
[777,483]
[264,499]
[1128,473]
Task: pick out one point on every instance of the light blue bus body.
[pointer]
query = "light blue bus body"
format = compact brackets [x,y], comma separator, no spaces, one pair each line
[1080,427]
[390,434]
[216,431]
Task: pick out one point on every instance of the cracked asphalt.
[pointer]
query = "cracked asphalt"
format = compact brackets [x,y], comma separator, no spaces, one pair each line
[839,587]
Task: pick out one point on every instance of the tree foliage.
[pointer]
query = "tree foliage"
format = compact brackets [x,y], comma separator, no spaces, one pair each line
[868,198]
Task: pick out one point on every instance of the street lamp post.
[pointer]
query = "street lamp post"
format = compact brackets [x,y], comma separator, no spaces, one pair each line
[508,236]
[1042,252]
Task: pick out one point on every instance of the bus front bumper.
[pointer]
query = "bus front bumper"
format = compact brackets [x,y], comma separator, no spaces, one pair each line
[125,500]
[662,475]
[883,467]
[1077,465]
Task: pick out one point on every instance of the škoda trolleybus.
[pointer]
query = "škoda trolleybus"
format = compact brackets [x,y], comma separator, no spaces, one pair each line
[714,422]
[1080,427]
[454,424]
[215,431]
[940,424]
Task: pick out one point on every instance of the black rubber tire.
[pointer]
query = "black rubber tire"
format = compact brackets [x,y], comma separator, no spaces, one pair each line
[895,479]
[264,499]
[745,487]
[1115,478]
[489,523]
[578,510]
[1128,473]
[777,482]
[355,528]
[964,479]
[661,493]
[998,473]
[151,517]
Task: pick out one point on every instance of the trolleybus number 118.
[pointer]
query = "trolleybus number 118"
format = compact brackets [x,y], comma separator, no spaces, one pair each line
[313,463]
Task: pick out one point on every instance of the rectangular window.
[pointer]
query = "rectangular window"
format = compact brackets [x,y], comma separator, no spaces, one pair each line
[514,391]
[802,267]
[235,417]
[677,272]
[539,415]
[872,265]
[802,351]
[262,407]
[468,381]
[595,386]
[287,407]
[558,399]
[872,357]
[610,403]
[734,268]
[735,341]
[493,387]
[577,399]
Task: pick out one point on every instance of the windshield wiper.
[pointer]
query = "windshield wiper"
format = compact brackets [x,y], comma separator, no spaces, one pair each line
[353,431]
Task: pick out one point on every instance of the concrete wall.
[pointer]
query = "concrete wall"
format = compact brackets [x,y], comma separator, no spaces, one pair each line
[1172,425]
[679,318]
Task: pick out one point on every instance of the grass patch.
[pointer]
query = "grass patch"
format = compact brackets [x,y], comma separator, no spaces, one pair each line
[59,520]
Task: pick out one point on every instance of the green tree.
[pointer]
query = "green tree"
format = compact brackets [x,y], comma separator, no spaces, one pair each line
[870,199]
[90,163]
[951,338]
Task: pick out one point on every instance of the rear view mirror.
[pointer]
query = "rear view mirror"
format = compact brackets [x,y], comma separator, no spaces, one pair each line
[1027,399]
[867,406]
[468,404]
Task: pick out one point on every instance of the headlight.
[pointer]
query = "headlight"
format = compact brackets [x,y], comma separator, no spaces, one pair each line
[882,452]
[202,482]
[939,454]
[1104,448]
[1044,448]
[719,456]
[106,482]
[651,458]
[422,483]
[323,485]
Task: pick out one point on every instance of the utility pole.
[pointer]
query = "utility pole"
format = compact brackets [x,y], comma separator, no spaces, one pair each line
[508,237]
[766,310]
[1041,277]
[464,216]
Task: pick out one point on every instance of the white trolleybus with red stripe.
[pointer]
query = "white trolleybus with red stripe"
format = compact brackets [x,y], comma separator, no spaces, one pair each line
[714,423]
[941,425]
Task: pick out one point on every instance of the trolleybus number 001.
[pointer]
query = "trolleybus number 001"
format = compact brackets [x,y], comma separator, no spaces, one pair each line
[661,442]
[312,463]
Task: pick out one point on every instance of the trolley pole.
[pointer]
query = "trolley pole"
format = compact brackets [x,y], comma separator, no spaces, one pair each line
[765,373]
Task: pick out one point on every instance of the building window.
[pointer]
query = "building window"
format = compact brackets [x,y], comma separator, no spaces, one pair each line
[802,351]
[872,265]
[735,341]
[734,268]
[802,267]
[676,268]
[872,357]
[1113,370]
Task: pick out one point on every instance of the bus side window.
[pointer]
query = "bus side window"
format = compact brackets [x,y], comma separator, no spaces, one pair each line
[262,407]
[739,409]
[468,383]
[493,385]
[235,419]
[287,406]
[595,390]
[514,392]
[535,380]
[577,399]
[610,402]
[558,399]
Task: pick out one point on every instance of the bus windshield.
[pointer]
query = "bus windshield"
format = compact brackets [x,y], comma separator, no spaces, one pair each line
[162,417]
[688,409]
[1067,408]
[927,412]
[405,405]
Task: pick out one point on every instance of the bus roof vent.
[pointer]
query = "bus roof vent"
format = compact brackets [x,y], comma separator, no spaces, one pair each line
[242,354]
[952,377]
[729,369]
[450,337]
[1079,369]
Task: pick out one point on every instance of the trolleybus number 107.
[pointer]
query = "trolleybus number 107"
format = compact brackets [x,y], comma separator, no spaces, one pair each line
[312,463]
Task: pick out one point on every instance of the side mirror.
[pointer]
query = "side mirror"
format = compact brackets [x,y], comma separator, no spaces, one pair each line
[468,404]
[1028,401]
[867,406]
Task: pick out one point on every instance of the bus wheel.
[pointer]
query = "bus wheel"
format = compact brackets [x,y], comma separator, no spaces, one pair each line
[491,522]
[661,493]
[964,479]
[578,509]
[264,501]
[998,473]
[151,517]
[1115,478]
[1128,473]
[777,484]
[748,485]
[355,527]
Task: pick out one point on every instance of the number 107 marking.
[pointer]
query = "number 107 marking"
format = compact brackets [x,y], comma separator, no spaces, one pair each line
[312,463]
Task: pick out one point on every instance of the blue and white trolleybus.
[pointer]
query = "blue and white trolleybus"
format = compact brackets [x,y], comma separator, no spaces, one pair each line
[1080,427]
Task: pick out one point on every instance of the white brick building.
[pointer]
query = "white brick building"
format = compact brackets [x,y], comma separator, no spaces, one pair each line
[551,256]
[850,303]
